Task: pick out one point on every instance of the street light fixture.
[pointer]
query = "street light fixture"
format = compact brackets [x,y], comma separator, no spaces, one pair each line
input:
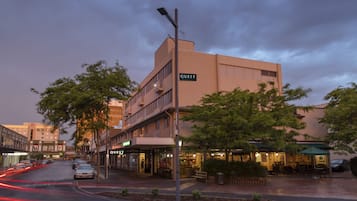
[174,23]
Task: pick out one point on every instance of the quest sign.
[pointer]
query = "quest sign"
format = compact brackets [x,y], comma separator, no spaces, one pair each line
[188,77]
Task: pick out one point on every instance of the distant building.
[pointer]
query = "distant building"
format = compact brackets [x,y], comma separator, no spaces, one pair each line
[42,139]
[13,147]
[87,147]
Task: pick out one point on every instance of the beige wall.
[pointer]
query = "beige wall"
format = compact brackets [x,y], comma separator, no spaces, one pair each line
[313,131]
[214,73]
[221,73]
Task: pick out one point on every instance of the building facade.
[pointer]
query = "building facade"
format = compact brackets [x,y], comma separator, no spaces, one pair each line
[87,147]
[13,146]
[312,136]
[146,141]
[43,141]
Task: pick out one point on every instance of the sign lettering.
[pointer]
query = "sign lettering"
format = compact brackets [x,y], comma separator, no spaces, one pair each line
[126,143]
[188,77]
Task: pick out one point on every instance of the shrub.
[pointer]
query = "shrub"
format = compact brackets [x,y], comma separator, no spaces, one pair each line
[124,192]
[212,166]
[256,197]
[155,192]
[354,166]
[196,195]
[234,168]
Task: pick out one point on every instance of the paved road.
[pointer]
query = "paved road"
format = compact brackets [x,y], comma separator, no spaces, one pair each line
[51,183]
[55,183]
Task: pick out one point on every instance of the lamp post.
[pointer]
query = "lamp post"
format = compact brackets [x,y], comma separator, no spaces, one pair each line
[106,175]
[163,11]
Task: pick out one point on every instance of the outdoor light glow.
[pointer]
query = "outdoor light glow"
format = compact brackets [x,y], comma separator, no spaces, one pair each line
[15,154]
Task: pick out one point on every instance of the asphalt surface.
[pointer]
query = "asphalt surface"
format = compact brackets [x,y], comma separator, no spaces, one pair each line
[338,186]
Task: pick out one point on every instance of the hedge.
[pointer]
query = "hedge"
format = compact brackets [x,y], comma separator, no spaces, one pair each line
[234,168]
[354,166]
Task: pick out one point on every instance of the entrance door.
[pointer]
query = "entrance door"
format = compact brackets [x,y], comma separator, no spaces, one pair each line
[145,163]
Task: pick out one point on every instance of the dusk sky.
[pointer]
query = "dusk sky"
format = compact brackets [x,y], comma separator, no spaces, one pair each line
[315,41]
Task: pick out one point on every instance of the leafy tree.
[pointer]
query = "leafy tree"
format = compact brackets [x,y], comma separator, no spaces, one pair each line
[341,118]
[233,120]
[83,100]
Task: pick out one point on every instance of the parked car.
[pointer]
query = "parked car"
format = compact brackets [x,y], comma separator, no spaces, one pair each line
[28,163]
[340,165]
[84,171]
[20,165]
[46,161]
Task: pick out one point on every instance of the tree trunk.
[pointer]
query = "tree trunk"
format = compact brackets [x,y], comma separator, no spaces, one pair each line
[204,159]
[227,155]
[96,134]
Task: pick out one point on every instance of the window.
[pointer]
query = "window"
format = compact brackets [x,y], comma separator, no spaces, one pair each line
[268,73]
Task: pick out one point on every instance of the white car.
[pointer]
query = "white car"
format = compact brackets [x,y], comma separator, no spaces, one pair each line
[84,171]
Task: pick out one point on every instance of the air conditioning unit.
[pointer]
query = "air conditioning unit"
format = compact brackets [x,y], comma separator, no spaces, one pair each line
[159,90]
[141,103]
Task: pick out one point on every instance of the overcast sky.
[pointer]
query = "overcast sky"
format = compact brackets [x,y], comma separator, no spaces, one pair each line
[44,40]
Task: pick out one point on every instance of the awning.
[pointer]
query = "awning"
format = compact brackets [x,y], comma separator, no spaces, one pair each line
[314,151]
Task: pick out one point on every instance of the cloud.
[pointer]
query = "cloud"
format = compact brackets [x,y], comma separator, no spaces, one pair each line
[42,40]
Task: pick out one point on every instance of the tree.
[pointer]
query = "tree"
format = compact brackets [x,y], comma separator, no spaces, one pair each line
[83,100]
[341,118]
[233,120]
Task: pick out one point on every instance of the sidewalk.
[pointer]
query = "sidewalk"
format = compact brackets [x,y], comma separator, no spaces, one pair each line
[338,185]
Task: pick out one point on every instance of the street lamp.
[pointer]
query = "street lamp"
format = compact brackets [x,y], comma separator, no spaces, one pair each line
[106,175]
[174,23]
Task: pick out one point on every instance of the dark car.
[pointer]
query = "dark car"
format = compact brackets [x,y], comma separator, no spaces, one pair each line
[340,165]
[77,162]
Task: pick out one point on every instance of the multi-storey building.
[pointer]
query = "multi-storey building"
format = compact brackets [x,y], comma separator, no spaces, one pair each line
[42,139]
[88,145]
[146,142]
[13,146]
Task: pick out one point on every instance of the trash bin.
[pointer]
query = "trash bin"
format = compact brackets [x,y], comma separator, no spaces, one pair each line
[220,178]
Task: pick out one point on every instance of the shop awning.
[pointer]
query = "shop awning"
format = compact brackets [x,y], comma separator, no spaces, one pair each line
[314,151]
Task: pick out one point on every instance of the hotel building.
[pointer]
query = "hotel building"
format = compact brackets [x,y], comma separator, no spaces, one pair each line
[42,139]
[146,142]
